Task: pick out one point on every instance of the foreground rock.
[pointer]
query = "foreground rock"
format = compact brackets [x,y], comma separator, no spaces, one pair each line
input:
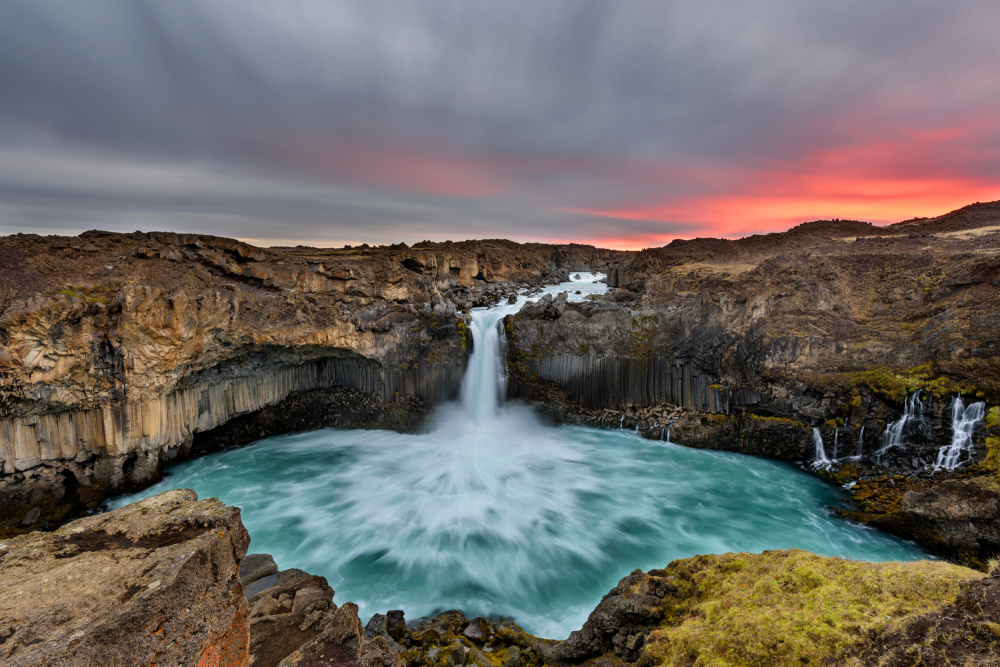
[776,608]
[165,581]
[153,583]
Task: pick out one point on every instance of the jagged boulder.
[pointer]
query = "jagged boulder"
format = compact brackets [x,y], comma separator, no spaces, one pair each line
[156,582]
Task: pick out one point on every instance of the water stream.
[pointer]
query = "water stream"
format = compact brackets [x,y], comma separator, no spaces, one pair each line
[963,422]
[494,513]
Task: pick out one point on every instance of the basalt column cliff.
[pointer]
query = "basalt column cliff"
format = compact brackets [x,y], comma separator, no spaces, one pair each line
[119,352]
[869,353]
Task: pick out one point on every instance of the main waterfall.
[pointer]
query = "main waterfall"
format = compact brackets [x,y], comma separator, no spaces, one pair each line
[483,387]
[493,512]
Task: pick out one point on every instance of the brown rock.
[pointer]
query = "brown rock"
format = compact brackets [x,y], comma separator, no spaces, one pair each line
[154,582]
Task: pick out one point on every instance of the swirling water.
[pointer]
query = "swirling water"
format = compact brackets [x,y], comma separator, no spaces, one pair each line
[493,513]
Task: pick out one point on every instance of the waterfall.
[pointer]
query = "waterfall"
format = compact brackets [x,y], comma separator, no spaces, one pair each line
[893,436]
[836,434]
[819,458]
[861,441]
[963,421]
[484,384]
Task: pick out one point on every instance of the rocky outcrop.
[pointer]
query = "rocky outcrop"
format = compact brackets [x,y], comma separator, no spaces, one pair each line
[775,608]
[750,345]
[121,352]
[166,581]
[155,582]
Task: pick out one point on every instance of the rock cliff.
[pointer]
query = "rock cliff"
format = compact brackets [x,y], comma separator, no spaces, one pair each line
[750,345]
[119,352]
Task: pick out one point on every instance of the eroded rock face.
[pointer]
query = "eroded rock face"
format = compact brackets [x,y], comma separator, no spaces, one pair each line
[154,582]
[119,352]
[750,345]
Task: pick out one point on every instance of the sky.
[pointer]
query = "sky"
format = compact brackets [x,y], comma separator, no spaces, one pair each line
[623,123]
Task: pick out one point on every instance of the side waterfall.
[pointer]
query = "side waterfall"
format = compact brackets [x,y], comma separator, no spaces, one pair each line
[819,458]
[913,408]
[963,421]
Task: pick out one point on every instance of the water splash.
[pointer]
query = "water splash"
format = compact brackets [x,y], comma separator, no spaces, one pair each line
[963,422]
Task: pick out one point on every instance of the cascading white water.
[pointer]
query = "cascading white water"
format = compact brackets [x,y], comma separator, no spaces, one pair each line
[913,409]
[484,384]
[836,436]
[963,421]
[861,442]
[819,458]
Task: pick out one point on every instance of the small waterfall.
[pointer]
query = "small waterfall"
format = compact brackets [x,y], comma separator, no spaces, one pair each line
[836,434]
[913,408]
[861,441]
[819,458]
[963,421]
[621,423]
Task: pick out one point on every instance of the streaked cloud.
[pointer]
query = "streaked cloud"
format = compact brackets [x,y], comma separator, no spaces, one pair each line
[624,123]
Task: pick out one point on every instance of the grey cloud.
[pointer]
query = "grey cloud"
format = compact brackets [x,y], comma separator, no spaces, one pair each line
[77,194]
[241,87]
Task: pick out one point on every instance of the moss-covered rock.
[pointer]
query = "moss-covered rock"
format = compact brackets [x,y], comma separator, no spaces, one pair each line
[786,607]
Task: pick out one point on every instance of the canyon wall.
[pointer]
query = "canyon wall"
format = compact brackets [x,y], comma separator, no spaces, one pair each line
[120,352]
[750,345]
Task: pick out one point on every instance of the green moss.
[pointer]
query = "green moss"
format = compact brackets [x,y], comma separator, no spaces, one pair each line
[94,294]
[463,330]
[898,384]
[993,418]
[774,420]
[789,607]
[992,460]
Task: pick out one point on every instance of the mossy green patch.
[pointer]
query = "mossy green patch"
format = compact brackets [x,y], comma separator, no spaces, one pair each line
[992,460]
[789,607]
[463,330]
[89,294]
[899,383]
